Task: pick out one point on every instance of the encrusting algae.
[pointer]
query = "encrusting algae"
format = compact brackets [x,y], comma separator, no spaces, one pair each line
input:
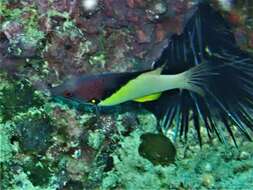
[76,142]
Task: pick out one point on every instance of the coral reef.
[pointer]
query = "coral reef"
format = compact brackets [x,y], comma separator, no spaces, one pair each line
[47,145]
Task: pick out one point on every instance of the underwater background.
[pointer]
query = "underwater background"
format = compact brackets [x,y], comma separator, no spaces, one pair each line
[47,145]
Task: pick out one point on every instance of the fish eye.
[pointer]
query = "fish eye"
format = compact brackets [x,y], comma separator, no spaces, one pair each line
[94,101]
[67,93]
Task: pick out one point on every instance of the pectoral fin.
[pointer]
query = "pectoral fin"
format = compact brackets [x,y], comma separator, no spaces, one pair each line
[148,98]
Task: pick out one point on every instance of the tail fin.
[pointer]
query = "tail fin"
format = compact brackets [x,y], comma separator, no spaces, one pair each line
[196,78]
[227,99]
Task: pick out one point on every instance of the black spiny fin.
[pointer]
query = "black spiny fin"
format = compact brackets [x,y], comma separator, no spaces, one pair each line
[207,39]
[205,32]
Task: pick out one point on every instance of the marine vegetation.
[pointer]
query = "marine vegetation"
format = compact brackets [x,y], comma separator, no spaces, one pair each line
[129,94]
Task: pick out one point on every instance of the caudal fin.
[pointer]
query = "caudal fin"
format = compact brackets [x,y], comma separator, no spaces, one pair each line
[196,78]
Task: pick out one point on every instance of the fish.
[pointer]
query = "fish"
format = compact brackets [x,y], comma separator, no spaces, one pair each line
[112,89]
[201,76]
[157,148]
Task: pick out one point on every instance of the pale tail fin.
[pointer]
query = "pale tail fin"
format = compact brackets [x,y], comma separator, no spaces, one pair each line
[195,78]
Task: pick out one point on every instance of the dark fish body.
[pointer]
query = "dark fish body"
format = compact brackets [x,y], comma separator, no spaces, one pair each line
[157,148]
[93,87]
[202,74]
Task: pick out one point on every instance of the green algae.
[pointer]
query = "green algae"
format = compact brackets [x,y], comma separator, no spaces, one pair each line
[22,182]
[96,139]
[34,130]
[6,148]
[30,36]
[98,59]
[211,167]
[68,27]
[62,163]
[17,96]
[132,171]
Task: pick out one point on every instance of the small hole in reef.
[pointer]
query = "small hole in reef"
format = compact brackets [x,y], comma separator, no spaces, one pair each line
[67,46]
[3,37]
[14,139]
[109,164]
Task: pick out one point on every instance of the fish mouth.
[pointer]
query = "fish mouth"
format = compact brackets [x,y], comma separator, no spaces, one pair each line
[75,103]
[55,94]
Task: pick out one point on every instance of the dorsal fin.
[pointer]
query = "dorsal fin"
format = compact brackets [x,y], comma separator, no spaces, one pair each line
[206,29]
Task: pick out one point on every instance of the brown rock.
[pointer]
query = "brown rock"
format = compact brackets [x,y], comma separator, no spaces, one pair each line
[160,33]
[235,18]
[142,36]
[132,17]
[12,29]
[130,3]
[140,2]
